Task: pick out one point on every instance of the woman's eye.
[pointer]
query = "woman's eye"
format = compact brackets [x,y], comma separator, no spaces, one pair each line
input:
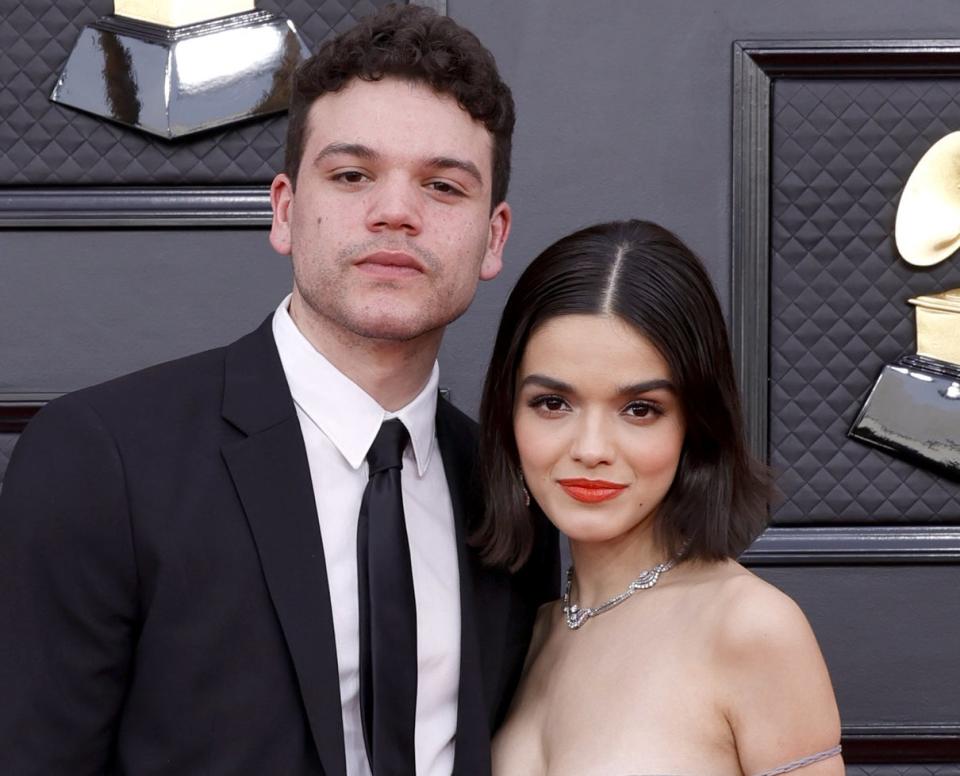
[642,409]
[548,403]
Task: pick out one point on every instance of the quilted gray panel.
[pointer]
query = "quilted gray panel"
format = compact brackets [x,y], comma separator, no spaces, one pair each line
[7,441]
[43,143]
[841,153]
[945,769]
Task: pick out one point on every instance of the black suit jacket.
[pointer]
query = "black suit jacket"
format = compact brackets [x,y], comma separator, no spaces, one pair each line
[164,606]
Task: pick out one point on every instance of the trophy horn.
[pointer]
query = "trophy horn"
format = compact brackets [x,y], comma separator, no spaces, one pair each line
[927,229]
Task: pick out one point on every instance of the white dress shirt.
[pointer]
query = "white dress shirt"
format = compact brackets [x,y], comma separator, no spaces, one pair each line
[339,422]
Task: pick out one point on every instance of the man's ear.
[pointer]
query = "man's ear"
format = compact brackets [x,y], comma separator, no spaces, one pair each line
[500,221]
[281,201]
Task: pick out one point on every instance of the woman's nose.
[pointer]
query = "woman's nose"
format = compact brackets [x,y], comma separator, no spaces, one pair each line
[593,444]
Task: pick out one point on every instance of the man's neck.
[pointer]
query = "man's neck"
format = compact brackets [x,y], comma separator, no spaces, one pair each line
[393,372]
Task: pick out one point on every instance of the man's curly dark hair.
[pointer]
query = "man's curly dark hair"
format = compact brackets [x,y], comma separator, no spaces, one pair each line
[416,44]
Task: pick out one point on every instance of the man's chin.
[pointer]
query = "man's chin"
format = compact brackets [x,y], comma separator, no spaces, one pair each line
[395,330]
[390,321]
[382,318]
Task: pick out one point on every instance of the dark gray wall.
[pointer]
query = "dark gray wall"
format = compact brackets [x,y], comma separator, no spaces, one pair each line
[889,636]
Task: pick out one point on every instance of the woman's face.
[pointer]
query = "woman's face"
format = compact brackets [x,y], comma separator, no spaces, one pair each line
[598,426]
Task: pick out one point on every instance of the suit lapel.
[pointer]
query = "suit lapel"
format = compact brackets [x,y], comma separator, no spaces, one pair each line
[270,472]
[484,602]
[272,477]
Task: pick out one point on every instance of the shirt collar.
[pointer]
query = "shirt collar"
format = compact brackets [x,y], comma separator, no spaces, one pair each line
[347,415]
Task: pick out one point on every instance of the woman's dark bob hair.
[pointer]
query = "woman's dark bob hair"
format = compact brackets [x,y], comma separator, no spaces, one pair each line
[644,275]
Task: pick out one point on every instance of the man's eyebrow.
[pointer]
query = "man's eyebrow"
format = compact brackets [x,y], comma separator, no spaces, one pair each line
[549,383]
[646,385]
[361,151]
[449,162]
[357,150]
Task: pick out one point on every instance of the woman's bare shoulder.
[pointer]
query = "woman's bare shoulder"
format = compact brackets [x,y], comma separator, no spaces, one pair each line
[751,626]
[756,617]
[773,683]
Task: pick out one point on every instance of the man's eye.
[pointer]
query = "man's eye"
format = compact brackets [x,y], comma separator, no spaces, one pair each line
[350,176]
[443,187]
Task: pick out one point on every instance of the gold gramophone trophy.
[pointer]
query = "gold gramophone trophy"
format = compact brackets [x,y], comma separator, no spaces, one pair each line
[913,410]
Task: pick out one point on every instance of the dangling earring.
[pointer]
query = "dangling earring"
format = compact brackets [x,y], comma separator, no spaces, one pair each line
[523,489]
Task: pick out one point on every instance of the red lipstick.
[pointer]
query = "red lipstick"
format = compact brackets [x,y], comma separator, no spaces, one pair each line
[591,491]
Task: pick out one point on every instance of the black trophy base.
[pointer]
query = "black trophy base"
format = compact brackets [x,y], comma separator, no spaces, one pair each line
[913,412]
[175,81]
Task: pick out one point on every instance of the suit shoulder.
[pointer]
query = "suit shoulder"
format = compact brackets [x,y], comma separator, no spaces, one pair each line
[151,394]
[171,377]
[456,418]
[140,403]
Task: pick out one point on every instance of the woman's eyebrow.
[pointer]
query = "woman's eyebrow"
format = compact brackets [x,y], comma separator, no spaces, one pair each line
[549,383]
[646,385]
[631,389]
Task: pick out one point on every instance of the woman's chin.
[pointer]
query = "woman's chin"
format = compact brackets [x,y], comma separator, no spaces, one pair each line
[588,527]
[583,532]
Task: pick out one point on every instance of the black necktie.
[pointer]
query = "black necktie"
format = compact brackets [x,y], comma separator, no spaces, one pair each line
[388,615]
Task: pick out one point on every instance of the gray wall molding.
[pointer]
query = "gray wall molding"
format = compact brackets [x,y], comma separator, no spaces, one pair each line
[860,545]
[17,409]
[120,206]
[884,743]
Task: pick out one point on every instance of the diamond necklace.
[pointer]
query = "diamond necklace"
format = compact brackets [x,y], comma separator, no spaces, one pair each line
[576,617]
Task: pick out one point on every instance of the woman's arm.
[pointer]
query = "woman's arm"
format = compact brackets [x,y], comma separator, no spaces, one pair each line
[775,690]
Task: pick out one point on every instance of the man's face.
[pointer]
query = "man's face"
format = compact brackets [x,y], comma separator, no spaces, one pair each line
[390,226]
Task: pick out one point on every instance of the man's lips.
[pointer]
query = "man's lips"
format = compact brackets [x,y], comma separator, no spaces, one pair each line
[390,264]
[591,491]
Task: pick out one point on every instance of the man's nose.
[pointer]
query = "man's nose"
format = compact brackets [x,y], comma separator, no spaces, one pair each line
[593,444]
[395,205]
